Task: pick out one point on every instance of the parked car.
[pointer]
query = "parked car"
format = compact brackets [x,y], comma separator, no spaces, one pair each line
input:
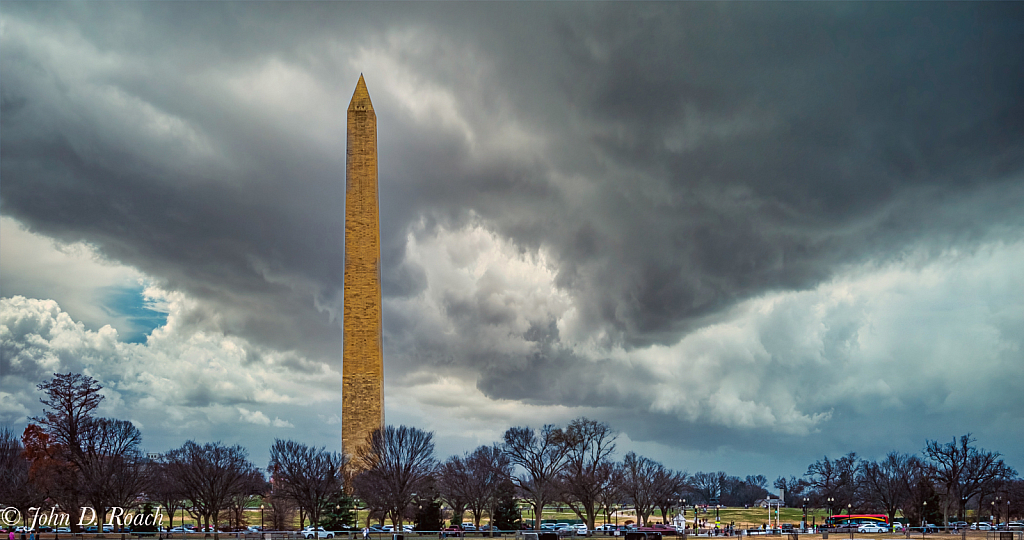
[1015,526]
[319,532]
[872,528]
[981,526]
[63,530]
[468,526]
[582,530]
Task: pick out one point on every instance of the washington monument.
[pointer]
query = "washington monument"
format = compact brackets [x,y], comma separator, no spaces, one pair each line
[362,379]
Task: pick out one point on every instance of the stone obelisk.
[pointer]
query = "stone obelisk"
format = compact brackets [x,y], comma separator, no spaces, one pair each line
[362,380]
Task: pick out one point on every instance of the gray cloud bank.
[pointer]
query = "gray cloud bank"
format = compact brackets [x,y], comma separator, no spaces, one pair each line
[770,224]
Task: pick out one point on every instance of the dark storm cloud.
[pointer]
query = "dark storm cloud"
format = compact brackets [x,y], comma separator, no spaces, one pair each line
[673,161]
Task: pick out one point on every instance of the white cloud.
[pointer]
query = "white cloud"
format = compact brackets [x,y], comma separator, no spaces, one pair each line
[253,417]
[330,420]
[180,379]
[36,266]
[876,340]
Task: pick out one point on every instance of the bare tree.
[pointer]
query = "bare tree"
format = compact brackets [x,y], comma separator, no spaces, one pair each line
[374,495]
[210,475]
[165,490]
[107,468]
[280,511]
[589,445]
[309,475]
[490,472]
[540,455]
[453,486]
[397,462]
[668,486]
[238,503]
[113,469]
[963,470]
[638,477]
[16,487]
[709,485]
[611,493]
[835,479]
[885,483]
[70,401]
[922,490]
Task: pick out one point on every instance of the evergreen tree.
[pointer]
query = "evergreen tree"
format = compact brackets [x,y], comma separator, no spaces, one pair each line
[506,515]
[339,512]
[428,516]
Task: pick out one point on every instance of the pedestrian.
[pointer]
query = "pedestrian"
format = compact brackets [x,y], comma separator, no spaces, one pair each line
[366,533]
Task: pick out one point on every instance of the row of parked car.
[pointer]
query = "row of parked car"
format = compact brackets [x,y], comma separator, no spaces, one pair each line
[91,529]
[986,526]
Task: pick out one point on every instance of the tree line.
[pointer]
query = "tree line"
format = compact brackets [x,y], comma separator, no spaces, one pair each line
[940,485]
[72,458]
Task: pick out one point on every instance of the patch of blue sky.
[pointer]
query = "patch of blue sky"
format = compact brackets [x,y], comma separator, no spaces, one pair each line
[140,315]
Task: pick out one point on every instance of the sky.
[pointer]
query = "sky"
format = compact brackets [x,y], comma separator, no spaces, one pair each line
[745,235]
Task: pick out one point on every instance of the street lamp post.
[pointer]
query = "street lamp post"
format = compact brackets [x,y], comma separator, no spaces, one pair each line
[830,501]
[924,515]
[803,524]
[261,519]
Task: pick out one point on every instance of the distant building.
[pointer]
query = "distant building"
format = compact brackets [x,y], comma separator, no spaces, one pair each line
[772,500]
